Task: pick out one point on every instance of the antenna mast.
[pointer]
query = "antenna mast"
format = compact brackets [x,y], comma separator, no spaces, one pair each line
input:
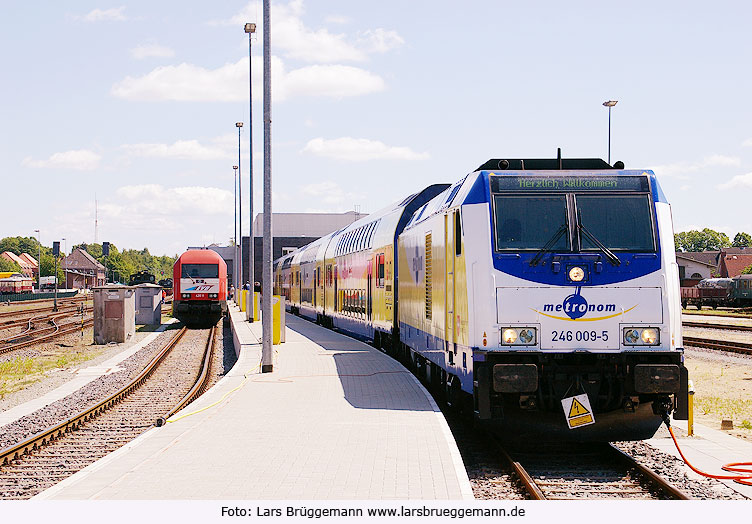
[96,222]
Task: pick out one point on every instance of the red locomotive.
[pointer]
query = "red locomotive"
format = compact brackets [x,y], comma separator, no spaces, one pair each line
[200,287]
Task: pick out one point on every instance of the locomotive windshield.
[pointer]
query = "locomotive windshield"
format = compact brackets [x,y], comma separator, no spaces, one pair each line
[200,271]
[524,222]
[563,214]
[620,222]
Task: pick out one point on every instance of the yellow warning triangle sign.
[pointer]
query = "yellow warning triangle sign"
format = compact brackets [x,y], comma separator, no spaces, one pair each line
[577,409]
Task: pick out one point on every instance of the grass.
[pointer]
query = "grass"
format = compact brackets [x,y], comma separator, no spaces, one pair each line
[22,372]
[725,409]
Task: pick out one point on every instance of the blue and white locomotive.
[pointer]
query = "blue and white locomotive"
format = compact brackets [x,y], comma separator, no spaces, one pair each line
[543,292]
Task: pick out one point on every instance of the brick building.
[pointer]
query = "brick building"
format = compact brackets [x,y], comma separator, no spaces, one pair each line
[82,271]
[29,264]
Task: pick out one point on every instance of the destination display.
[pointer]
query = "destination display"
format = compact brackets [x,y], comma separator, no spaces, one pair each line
[534,183]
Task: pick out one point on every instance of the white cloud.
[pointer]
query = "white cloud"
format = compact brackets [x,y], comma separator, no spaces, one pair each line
[336,81]
[151,51]
[337,19]
[155,208]
[741,181]
[359,149]
[331,195]
[747,143]
[181,149]
[681,170]
[380,40]
[100,15]
[80,159]
[295,40]
[228,83]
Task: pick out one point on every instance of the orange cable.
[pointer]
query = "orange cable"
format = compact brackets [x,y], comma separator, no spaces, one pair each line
[736,467]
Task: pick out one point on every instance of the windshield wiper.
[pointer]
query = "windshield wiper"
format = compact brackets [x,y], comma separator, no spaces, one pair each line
[548,245]
[606,251]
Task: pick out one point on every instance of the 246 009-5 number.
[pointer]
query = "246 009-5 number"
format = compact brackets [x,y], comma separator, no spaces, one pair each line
[579,336]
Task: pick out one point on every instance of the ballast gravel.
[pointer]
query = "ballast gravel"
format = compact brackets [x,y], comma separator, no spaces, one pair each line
[100,388]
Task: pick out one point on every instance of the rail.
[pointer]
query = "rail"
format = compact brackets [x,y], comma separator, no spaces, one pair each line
[202,380]
[723,345]
[648,476]
[709,325]
[46,436]
[74,327]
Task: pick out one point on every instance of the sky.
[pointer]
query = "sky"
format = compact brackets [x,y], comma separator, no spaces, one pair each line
[134,104]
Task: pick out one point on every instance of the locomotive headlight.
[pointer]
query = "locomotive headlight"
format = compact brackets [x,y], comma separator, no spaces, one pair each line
[527,335]
[213,295]
[631,336]
[576,274]
[649,336]
[518,336]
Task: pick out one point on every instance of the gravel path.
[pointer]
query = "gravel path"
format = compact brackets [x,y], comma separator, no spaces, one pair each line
[674,470]
[224,359]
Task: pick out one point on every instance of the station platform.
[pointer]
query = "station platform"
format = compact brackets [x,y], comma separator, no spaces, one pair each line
[337,419]
[708,450]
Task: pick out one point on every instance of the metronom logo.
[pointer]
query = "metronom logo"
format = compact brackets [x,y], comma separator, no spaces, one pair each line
[575,306]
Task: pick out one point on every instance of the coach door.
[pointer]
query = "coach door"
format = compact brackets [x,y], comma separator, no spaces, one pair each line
[315,286]
[369,299]
[336,295]
[449,289]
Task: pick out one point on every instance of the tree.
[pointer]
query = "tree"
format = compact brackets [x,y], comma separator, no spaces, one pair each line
[9,265]
[20,245]
[742,239]
[705,240]
[747,270]
[48,267]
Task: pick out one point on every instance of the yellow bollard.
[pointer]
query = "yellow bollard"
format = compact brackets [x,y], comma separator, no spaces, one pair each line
[691,410]
[276,318]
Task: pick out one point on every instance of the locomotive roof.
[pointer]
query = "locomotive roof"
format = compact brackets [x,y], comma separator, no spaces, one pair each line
[545,164]
[193,256]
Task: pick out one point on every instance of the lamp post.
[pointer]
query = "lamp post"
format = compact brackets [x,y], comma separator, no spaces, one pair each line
[39,262]
[240,209]
[609,104]
[235,223]
[250,29]
[65,256]
[267,365]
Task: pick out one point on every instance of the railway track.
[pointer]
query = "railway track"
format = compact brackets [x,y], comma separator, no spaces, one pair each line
[723,345]
[44,334]
[36,321]
[708,325]
[595,471]
[178,374]
[61,303]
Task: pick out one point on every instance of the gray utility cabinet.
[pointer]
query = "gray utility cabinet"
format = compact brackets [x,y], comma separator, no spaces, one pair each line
[114,314]
[148,304]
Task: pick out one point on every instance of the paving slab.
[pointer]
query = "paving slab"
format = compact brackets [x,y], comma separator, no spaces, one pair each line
[336,419]
[708,450]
